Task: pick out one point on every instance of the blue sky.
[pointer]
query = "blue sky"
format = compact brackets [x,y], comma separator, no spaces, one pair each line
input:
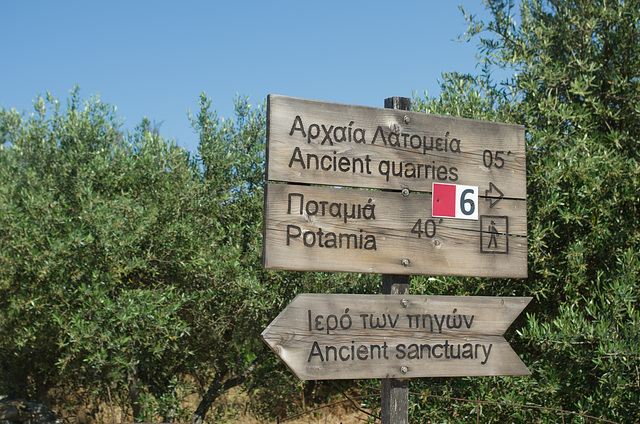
[155,58]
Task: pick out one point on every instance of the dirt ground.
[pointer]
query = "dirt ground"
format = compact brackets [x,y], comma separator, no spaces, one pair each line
[232,407]
[334,415]
[342,413]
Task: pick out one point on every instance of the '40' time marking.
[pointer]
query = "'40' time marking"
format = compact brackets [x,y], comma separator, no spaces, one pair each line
[428,228]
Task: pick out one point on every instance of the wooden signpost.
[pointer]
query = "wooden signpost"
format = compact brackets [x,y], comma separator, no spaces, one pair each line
[346,230]
[476,168]
[334,144]
[427,195]
[326,337]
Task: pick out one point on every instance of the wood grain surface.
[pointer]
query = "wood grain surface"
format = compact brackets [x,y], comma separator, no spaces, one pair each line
[335,144]
[306,228]
[325,336]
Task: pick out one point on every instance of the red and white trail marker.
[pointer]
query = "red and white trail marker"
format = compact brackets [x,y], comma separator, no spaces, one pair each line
[455,201]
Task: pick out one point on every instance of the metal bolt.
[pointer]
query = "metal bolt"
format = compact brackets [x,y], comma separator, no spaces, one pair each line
[405,261]
[407,119]
[404,303]
[405,192]
[404,369]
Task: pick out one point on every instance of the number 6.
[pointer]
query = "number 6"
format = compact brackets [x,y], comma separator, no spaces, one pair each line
[467,206]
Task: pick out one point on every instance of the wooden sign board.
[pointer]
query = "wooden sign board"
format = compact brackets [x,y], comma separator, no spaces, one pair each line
[346,230]
[335,144]
[326,337]
[480,164]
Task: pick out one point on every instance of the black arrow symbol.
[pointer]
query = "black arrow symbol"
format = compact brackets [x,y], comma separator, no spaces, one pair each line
[493,200]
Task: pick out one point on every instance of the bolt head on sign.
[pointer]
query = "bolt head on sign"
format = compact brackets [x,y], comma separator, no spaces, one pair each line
[455,201]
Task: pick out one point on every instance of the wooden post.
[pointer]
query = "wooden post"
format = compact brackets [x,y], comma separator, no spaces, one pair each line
[395,392]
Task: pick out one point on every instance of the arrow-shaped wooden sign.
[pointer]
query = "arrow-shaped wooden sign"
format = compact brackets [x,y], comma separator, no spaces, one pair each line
[330,337]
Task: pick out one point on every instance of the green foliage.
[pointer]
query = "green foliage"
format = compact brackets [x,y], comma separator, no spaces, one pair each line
[576,88]
[126,263]
[94,239]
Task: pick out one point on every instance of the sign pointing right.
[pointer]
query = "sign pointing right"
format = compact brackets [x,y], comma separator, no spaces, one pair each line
[495,198]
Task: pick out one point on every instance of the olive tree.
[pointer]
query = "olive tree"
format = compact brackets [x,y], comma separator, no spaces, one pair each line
[130,268]
[96,235]
[575,85]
